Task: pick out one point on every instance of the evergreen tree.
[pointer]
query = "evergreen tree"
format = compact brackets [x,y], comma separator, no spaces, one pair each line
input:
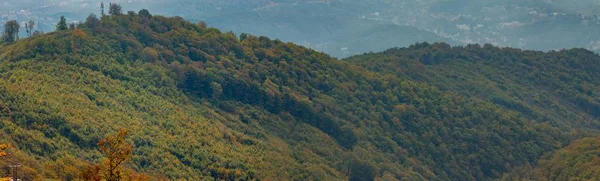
[62,24]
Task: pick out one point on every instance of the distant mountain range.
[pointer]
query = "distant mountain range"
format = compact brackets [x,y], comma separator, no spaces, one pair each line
[344,28]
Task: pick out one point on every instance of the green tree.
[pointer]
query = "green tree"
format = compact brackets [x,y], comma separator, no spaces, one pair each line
[145,13]
[62,24]
[102,9]
[217,89]
[362,171]
[30,26]
[115,9]
[92,22]
[11,31]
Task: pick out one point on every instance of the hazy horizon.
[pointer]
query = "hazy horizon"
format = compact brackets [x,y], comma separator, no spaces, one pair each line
[344,28]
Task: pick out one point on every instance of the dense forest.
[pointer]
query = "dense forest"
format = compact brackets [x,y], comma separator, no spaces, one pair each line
[201,104]
[558,87]
[578,161]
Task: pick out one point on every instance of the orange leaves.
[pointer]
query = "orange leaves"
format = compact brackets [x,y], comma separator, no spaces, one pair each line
[150,55]
[117,152]
[3,147]
[79,33]
[91,173]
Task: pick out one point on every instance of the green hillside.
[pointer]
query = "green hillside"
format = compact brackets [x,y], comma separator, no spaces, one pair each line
[201,104]
[557,87]
[578,161]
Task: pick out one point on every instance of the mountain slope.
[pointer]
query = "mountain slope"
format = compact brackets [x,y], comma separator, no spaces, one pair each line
[578,161]
[559,87]
[202,104]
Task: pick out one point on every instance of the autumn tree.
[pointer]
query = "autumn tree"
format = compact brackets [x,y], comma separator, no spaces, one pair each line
[62,24]
[115,9]
[117,151]
[2,148]
[78,36]
[11,31]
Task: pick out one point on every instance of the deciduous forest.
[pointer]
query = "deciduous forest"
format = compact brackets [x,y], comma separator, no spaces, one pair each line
[139,96]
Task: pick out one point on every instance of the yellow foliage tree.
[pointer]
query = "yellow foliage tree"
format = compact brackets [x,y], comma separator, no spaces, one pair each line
[3,147]
[117,152]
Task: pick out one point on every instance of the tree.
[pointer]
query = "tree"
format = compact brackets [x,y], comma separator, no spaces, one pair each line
[3,147]
[102,9]
[29,27]
[11,31]
[217,90]
[117,152]
[145,13]
[92,22]
[115,9]
[37,32]
[202,24]
[149,54]
[362,171]
[62,24]
[72,26]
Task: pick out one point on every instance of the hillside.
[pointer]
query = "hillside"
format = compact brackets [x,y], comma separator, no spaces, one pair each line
[201,104]
[558,87]
[578,161]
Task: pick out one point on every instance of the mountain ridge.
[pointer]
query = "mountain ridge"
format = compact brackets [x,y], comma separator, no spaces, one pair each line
[202,104]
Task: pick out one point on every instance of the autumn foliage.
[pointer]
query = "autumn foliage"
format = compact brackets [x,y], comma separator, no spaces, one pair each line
[117,152]
[204,105]
[2,148]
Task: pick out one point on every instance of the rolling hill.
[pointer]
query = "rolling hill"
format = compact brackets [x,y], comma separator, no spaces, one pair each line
[201,104]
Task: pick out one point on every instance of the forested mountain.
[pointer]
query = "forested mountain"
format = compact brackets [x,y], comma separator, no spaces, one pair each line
[201,104]
[558,87]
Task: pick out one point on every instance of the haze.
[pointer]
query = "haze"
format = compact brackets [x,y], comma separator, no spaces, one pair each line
[344,28]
